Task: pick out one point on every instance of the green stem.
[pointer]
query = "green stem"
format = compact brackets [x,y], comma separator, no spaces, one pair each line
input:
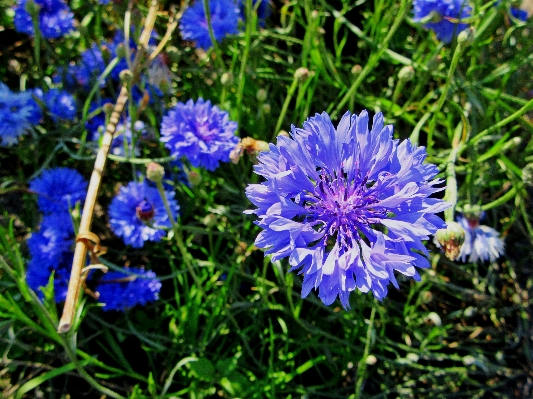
[361,368]
[285,107]
[443,95]
[179,237]
[37,47]
[214,42]
[247,40]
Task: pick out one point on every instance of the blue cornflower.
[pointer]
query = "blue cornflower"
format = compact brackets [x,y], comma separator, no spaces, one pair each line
[90,67]
[51,250]
[60,104]
[446,14]
[121,291]
[201,132]
[59,189]
[348,206]
[55,18]
[519,14]
[481,242]
[224,21]
[18,113]
[263,10]
[137,214]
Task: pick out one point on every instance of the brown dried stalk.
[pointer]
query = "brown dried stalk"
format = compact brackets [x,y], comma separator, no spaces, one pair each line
[80,252]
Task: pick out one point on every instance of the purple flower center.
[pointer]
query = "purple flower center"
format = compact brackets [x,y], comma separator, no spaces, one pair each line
[204,131]
[342,207]
[145,211]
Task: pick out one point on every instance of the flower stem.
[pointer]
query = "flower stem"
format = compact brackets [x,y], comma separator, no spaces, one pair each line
[37,47]
[443,95]
[179,237]
[361,367]
[218,54]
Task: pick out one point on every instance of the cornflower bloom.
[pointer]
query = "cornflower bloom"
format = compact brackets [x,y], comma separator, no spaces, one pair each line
[60,104]
[51,251]
[55,18]
[224,21]
[59,189]
[519,14]
[137,214]
[482,243]
[18,113]
[121,291]
[445,13]
[348,206]
[201,132]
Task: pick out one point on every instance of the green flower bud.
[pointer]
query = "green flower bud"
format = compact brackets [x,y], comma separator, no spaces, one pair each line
[301,74]
[33,8]
[126,76]
[261,95]
[226,79]
[407,73]
[155,172]
[451,239]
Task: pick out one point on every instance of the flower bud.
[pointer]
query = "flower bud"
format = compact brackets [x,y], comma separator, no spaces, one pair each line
[120,51]
[527,174]
[266,108]
[226,79]
[356,69]
[108,109]
[371,360]
[261,95]
[301,74]
[451,239]
[195,178]
[33,8]
[469,360]
[466,37]
[155,172]
[407,73]
[126,76]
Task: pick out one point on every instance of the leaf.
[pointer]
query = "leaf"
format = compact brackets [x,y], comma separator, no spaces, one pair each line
[203,369]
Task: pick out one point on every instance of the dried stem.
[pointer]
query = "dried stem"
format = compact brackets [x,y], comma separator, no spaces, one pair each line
[80,252]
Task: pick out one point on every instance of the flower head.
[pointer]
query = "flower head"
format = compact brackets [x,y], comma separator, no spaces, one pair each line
[51,251]
[482,243]
[121,291]
[224,21]
[60,104]
[201,132]
[59,189]
[55,18]
[18,113]
[137,214]
[446,13]
[348,206]
[519,14]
